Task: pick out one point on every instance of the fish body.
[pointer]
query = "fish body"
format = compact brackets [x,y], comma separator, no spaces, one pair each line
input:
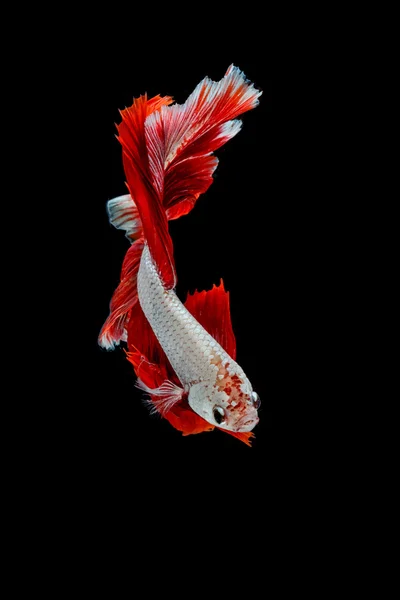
[183,354]
[207,373]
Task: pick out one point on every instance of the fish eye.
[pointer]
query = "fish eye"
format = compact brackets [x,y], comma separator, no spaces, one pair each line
[219,414]
[255,398]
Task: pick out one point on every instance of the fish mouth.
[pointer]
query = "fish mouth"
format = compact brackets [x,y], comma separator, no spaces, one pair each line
[246,423]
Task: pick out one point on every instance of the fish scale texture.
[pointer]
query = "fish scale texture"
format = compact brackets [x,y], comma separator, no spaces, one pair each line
[188,346]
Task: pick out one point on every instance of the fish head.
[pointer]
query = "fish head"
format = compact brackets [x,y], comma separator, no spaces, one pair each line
[233,406]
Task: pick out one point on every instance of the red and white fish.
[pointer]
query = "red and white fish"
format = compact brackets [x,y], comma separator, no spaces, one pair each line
[183,354]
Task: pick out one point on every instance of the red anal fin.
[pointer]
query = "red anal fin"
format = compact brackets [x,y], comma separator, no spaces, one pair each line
[184,419]
[151,374]
[145,350]
[211,309]
[180,415]
[124,299]
[153,368]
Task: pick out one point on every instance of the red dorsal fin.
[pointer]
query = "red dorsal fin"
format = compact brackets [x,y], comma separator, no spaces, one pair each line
[211,309]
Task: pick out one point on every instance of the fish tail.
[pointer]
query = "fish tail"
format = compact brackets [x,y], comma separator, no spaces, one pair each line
[168,162]
[181,138]
[131,213]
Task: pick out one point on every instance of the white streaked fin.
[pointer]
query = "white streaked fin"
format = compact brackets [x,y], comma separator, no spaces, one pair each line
[123,214]
[166,396]
[209,105]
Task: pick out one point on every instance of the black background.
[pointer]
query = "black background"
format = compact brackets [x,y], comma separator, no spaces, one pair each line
[93,473]
[93,460]
[255,228]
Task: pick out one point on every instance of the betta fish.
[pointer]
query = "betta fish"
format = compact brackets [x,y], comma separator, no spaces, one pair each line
[183,355]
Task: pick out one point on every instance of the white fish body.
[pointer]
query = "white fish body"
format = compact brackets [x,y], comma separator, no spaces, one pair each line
[201,364]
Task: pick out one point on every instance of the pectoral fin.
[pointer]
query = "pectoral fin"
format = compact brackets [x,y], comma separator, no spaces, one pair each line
[163,398]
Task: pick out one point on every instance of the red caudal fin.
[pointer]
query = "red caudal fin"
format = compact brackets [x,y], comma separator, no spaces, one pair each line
[142,188]
[138,214]
[167,154]
[211,310]
[181,138]
[168,163]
